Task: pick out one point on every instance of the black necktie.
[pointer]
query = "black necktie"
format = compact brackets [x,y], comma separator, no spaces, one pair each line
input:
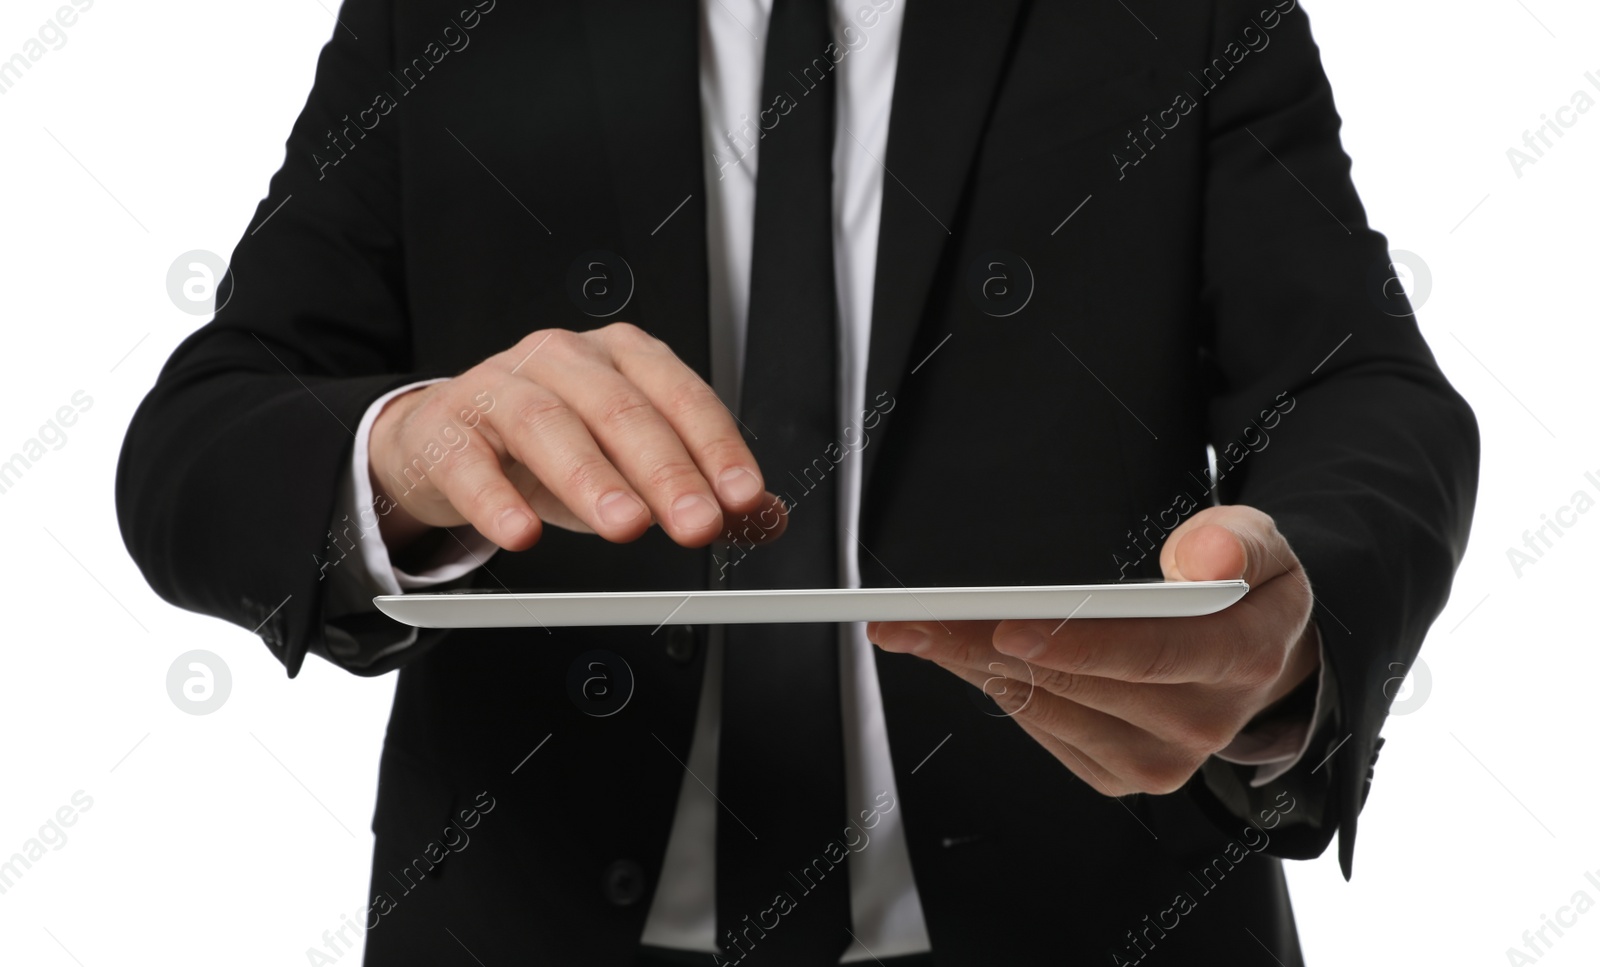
[783,893]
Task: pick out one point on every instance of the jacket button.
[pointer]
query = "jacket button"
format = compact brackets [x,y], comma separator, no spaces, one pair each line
[681,644]
[623,883]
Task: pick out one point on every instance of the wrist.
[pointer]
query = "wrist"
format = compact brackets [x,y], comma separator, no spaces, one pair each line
[400,529]
[1305,658]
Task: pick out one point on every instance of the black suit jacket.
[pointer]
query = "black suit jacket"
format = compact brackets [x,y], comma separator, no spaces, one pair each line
[437,191]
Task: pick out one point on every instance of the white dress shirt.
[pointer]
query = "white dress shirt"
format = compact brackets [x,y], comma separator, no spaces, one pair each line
[885,907]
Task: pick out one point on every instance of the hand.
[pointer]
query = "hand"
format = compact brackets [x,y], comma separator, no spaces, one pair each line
[1138,704]
[602,432]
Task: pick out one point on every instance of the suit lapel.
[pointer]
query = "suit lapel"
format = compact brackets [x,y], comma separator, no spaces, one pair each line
[952,53]
[645,59]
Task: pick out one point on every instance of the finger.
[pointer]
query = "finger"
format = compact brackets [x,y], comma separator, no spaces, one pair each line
[1078,762]
[453,476]
[474,482]
[545,435]
[1125,775]
[766,524]
[693,409]
[959,641]
[1163,710]
[1205,649]
[1117,755]
[1114,756]
[1199,718]
[969,647]
[964,651]
[1224,543]
[634,437]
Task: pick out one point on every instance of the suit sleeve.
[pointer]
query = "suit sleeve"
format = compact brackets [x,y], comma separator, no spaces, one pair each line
[1329,412]
[228,474]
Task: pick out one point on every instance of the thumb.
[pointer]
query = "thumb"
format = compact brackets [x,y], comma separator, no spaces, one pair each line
[1227,543]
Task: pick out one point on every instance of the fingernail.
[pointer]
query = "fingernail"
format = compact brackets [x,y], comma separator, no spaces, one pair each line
[512,522]
[1026,645]
[694,512]
[618,508]
[738,484]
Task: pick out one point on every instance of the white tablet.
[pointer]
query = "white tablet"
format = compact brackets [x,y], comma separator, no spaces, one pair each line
[478,608]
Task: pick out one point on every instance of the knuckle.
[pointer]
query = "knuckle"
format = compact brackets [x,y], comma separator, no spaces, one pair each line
[623,409]
[1161,775]
[671,476]
[1072,654]
[432,406]
[956,651]
[1101,780]
[627,335]
[1161,666]
[974,651]
[540,340]
[1263,668]
[464,392]
[1261,519]
[1014,696]
[1251,664]
[563,345]
[541,411]
[483,492]
[1203,737]
[1058,682]
[472,452]
[1109,786]
[587,475]
[725,451]
[689,395]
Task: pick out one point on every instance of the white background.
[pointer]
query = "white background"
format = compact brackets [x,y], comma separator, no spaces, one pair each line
[240,836]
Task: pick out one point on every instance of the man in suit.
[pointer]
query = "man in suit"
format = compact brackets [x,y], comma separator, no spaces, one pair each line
[917,293]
